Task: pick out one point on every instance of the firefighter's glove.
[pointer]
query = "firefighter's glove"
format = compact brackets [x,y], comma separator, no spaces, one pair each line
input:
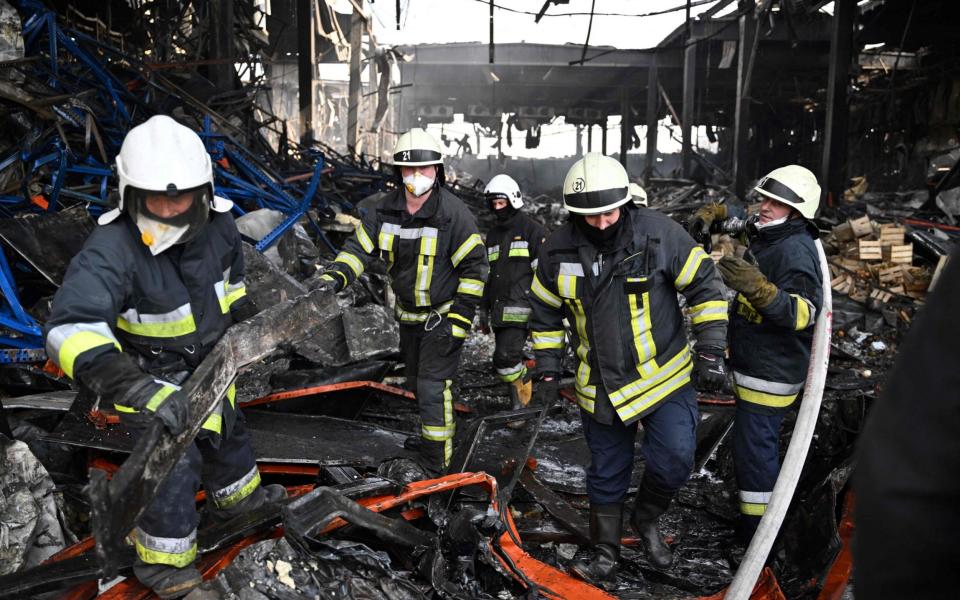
[547,393]
[483,321]
[328,283]
[709,371]
[453,335]
[173,411]
[703,221]
[747,279]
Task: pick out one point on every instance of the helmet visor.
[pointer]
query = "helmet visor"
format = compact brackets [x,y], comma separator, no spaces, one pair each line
[181,209]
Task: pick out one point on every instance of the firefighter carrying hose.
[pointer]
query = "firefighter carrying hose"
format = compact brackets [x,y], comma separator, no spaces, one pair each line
[771,324]
[512,245]
[613,271]
[437,266]
[154,288]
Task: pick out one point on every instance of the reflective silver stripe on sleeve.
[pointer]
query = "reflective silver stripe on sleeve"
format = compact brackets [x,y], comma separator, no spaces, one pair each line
[770,387]
[755,497]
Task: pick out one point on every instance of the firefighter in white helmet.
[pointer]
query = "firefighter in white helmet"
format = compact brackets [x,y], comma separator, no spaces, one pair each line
[614,274]
[778,287]
[512,245]
[437,267]
[154,288]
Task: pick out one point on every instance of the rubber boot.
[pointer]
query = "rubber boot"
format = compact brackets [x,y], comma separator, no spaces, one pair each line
[166,581]
[520,392]
[650,504]
[657,550]
[264,494]
[606,526]
[432,457]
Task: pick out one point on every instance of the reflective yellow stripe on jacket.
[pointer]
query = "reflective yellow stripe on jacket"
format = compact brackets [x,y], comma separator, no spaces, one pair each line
[175,323]
[65,343]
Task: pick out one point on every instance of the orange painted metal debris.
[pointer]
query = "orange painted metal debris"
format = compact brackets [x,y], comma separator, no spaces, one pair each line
[839,574]
[340,387]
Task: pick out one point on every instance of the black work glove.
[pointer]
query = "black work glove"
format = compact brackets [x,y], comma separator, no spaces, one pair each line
[483,321]
[702,223]
[452,342]
[709,370]
[328,284]
[173,412]
[547,392]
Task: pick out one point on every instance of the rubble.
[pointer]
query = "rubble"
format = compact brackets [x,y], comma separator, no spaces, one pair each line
[316,403]
[31,516]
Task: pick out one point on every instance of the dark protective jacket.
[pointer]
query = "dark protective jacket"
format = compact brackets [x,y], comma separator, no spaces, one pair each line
[435,258]
[907,460]
[770,348]
[627,328]
[127,324]
[512,249]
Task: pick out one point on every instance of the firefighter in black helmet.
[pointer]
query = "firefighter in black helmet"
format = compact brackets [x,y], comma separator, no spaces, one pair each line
[614,272]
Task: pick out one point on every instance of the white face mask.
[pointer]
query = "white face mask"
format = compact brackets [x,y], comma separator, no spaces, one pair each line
[158,236]
[418,184]
[772,223]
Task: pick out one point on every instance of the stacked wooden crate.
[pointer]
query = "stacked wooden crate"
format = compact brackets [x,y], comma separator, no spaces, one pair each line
[873,262]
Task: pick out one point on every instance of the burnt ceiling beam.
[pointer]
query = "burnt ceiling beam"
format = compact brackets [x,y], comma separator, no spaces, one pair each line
[834,164]
[653,117]
[306,66]
[688,115]
[741,132]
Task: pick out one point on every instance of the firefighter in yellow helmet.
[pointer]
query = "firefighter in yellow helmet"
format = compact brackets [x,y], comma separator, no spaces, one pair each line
[613,271]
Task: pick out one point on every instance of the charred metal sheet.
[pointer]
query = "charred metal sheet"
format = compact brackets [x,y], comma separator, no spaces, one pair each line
[326,348]
[558,508]
[306,519]
[491,446]
[48,241]
[275,437]
[117,505]
[54,576]
[321,440]
[266,284]
[371,331]
[334,475]
[52,401]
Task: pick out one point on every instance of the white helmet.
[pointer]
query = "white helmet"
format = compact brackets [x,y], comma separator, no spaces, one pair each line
[793,185]
[504,187]
[595,184]
[638,194]
[162,157]
[417,148]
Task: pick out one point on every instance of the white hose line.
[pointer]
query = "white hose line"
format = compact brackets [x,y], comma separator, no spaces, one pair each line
[755,558]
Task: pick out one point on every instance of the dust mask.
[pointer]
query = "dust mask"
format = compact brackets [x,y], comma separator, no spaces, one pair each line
[418,184]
